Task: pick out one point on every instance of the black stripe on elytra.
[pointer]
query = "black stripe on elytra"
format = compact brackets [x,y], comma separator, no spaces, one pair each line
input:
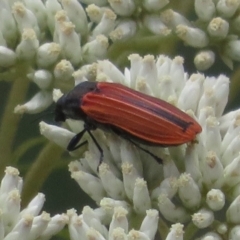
[166,115]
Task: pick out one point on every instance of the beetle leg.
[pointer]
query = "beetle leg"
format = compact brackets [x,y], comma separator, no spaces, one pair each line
[158,159]
[74,141]
[97,145]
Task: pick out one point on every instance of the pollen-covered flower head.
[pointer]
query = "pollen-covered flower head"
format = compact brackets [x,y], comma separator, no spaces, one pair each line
[197,181]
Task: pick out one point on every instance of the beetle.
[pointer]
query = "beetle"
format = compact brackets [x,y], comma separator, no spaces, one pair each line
[135,116]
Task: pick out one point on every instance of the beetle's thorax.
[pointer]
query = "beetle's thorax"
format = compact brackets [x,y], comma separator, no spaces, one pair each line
[68,107]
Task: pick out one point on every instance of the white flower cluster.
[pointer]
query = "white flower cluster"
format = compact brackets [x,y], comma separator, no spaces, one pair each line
[53,38]
[91,224]
[197,184]
[49,40]
[18,224]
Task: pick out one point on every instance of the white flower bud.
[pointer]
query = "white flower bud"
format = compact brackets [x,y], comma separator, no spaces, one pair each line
[213,135]
[212,170]
[235,233]
[125,29]
[52,7]
[7,57]
[205,10]
[123,7]
[227,8]
[8,27]
[48,54]
[215,94]
[40,223]
[154,5]
[203,218]
[70,43]
[190,94]
[79,77]
[149,224]
[77,15]
[215,199]
[119,220]
[27,48]
[56,224]
[222,228]
[141,198]
[176,232]
[95,49]
[9,181]
[39,10]
[155,25]
[111,72]
[118,233]
[232,49]
[39,102]
[21,229]
[89,184]
[35,206]
[233,212]
[168,186]
[137,235]
[91,219]
[10,207]
[218,28]
[25,18]
[211,236]
[146,76]
[109,205]
[189,191]
[229,125]
[95,13]
[170,211]
[173,19]
[232,172]
[192,161]
[130,175]
[231,152]
[114,188]
[194,37]
[204,60]
[94,234]
[77,226]
[43,78]
[56,134]
[106,25]
[63,71]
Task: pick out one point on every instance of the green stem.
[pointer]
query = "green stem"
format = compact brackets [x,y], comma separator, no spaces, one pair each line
[10,121]
[142,45]
[40,170]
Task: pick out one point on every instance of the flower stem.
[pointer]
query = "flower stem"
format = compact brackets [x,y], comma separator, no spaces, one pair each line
[10,121]
[40,170]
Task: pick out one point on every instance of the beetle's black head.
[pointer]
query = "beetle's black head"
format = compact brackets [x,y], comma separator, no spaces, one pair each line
[59,114]
[69,105]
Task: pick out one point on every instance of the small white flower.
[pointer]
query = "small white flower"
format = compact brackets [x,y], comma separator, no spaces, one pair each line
[38,103]
[7,57]
[204,60]
[123,7]
[27,223]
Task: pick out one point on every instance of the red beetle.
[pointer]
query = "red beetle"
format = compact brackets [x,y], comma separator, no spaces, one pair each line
[130,114]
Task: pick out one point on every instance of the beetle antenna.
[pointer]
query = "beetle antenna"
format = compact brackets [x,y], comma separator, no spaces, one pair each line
[42,115]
